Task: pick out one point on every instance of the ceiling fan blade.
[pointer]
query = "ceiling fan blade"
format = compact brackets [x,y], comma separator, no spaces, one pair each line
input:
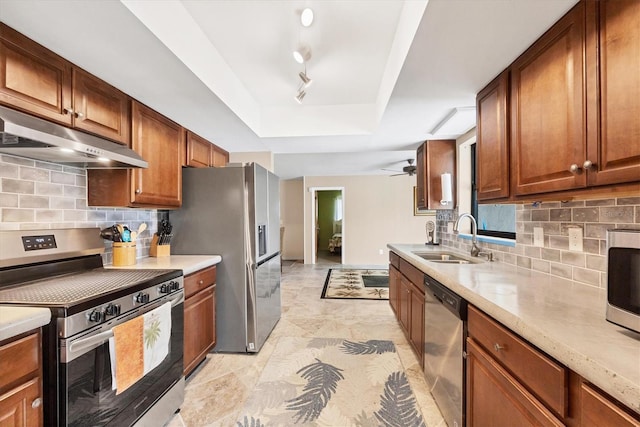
[398,174]
[390,170]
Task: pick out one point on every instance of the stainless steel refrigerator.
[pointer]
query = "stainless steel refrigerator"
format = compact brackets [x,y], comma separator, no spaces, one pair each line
[235,212]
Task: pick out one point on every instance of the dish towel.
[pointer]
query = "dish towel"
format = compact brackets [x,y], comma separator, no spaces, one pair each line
[138,346]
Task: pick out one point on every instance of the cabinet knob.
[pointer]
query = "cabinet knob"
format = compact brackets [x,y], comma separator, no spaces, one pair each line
[574,168]
[588,164]
[69,111]
[138,191]
[498,347]
[200,282]
[36,403]
[79,115]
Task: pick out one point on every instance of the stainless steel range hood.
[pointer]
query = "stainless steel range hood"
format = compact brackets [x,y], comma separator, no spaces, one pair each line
[23,135]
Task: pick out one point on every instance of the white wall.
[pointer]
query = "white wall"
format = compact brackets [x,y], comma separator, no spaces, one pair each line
[292,218]
[378,210]
[263,158]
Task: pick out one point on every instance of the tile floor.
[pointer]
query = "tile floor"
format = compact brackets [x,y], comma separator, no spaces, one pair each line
[217,390]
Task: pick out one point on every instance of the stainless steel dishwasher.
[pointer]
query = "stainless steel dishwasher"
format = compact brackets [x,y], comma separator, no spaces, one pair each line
[445,316]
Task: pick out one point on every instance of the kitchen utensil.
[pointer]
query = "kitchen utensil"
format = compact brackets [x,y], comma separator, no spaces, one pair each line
[142,227]
[120,228]
[134,236]
[107,233]
[126,235]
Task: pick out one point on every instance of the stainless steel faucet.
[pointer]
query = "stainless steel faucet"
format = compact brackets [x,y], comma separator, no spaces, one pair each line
[475,250]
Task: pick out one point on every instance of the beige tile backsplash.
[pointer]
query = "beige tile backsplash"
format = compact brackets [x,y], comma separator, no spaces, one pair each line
[40,195]
[595,217]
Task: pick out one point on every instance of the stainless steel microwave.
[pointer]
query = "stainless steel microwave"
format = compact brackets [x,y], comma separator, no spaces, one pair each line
[623,278]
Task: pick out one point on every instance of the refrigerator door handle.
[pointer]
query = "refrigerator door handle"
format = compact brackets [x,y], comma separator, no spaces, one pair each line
[250,271]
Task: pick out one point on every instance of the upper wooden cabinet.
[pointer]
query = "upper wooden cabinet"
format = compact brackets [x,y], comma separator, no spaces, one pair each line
[492,140]
[201,153]
[39,82]
[613,88]
[161,143]
[548,110]
[434,158]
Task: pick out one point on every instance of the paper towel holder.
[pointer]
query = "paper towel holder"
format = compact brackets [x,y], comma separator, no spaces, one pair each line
[447,196]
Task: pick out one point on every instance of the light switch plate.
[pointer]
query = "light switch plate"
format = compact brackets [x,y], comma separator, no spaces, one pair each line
[538,236]
[575,239]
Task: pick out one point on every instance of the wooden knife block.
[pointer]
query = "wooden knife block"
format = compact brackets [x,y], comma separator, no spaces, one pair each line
[157,250]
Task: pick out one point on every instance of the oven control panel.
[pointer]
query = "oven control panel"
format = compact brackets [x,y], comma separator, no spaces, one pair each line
[34,243]
[126,305]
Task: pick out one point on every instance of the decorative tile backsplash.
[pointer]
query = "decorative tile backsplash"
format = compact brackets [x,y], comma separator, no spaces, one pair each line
[594,217]
[41,195]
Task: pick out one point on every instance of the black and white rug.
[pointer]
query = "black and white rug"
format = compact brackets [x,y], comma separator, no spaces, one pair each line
[352,283]
[332,382]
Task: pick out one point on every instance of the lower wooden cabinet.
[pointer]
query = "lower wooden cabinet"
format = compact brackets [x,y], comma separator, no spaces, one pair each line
[394,284]
[21,382]
[199,317]
[597,409]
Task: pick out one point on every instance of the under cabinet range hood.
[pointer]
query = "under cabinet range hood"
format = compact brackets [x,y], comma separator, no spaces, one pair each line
[27,136]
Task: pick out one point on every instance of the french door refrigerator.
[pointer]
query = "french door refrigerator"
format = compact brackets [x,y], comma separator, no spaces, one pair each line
[235,212]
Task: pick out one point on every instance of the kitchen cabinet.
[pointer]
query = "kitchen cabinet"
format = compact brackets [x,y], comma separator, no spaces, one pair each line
[492,140]
[433,158]
[161,143]
[199,317]
[21,381]
[548,110]
[597,409]
[409,310]
[394,281]
[201,153]
[37,81]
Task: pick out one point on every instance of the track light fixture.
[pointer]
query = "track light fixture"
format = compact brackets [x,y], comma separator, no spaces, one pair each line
[301,94]
[302,54]
[306,17]
[306,81]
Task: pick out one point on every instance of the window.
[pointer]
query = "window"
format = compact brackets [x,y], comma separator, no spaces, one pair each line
[495,220]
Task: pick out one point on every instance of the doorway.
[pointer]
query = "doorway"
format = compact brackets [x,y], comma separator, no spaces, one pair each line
[328,226]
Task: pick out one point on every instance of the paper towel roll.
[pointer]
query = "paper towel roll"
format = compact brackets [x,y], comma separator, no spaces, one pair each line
[447,196]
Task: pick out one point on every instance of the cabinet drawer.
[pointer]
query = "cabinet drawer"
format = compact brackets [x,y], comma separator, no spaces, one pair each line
[545,378]
[599,410]
[19,359]
[194,283]
[394,259]
[413,274]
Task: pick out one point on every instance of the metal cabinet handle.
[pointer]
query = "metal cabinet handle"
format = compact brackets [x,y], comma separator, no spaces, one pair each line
[498,347]
[574,168]
[69,111]
[36,403]
[79,115]
[138,191]
[588,164]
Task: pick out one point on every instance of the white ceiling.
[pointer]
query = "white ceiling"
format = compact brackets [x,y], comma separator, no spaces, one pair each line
[385,72]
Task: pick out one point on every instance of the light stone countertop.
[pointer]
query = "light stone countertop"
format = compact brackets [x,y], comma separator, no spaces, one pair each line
[563,318]
[187,263]
[17,320]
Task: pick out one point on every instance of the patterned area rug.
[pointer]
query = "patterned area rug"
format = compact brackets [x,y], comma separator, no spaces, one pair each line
[332,382]
[351,283]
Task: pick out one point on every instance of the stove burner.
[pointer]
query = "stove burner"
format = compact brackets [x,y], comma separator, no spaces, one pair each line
[73,288]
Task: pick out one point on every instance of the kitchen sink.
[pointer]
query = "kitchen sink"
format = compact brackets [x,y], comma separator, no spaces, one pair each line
[446,258]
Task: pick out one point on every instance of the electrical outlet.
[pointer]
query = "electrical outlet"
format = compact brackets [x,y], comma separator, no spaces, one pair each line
[450,227]
[575,239]
[538,236]
[381,252]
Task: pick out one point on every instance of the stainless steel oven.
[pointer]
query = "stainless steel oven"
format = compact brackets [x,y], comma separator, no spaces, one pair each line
[62,270]
[623,278]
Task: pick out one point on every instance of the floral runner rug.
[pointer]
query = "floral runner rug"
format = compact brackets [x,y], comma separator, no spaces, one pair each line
[352,283]
[332,382]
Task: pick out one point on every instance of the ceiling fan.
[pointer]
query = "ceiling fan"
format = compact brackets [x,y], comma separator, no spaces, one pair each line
[407,170]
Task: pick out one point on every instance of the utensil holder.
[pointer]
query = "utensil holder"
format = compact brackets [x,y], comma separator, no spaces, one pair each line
[156,250]
[124,253]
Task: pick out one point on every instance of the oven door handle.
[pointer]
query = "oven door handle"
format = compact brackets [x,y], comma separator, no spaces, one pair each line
[91,341]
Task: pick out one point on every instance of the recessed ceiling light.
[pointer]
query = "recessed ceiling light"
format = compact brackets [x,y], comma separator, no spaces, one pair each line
[306,17]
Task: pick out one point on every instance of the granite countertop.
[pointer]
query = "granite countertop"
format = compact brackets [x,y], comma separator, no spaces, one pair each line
[17,320]
[563,318]
[187,263]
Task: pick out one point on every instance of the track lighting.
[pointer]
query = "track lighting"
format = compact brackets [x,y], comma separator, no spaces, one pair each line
[306,17]
[300,96]
[306,81]
[302,54]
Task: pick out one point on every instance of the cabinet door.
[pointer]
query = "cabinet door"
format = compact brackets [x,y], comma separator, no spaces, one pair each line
[199,151]
[34,79]
[404,303]
[161,143]
[100,108]
[22,406]
[394,279]
[421,184]
[614,89]
[416,330]
[548,125]
[597,410]
[220,157]
[199,327]
[495,398]
[492,146]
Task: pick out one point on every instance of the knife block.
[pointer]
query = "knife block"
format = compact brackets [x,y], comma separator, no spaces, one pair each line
[157,250]
[124,253]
